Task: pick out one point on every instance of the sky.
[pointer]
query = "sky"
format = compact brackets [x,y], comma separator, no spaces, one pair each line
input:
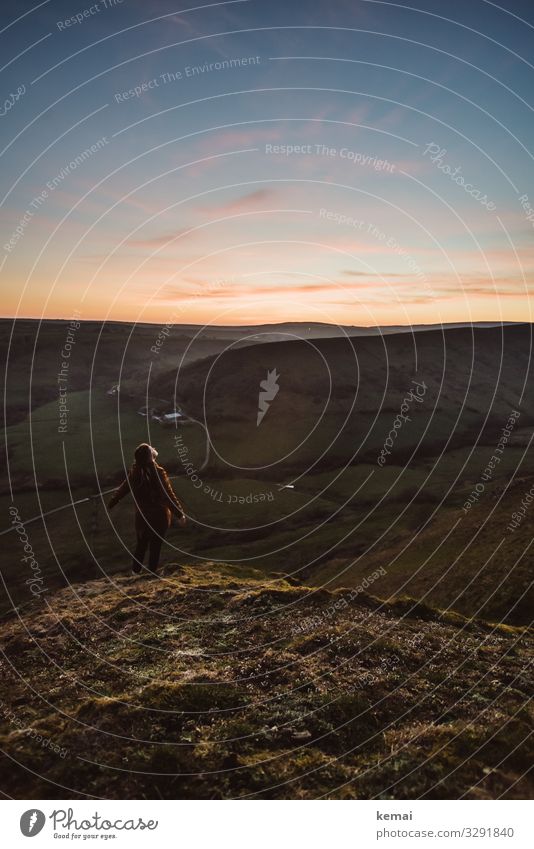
[354,161]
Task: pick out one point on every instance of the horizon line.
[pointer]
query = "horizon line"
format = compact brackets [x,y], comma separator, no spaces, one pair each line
[41,319]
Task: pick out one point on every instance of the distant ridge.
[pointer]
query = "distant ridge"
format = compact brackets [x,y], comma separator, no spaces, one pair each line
[283,326]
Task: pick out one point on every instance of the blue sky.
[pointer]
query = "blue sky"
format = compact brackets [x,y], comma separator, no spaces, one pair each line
[256,161]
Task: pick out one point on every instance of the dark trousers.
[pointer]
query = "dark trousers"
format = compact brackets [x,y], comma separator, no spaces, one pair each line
[151,525]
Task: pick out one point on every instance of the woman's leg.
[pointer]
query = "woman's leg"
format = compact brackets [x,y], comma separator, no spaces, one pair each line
[160,525]
[156,541]
[139,554]
[142,533]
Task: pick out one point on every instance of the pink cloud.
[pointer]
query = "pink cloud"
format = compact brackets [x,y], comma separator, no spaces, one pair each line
[157,241]
[251,200]
[241,137]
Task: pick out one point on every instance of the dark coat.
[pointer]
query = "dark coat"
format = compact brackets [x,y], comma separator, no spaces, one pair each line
[155,499]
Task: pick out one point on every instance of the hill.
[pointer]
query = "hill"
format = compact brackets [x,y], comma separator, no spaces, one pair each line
[477,561]
[100,355]
[338,399]
[217,683]
[323,433]
[103,354]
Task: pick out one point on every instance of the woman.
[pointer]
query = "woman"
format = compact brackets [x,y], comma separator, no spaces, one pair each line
[155,502]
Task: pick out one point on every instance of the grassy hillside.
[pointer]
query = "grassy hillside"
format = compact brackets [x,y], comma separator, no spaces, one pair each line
[101,355]
[471,563]
[215,683]
[323,433]
[332,530]
[338,398]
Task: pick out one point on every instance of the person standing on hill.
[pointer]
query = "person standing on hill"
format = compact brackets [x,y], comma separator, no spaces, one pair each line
[155,502]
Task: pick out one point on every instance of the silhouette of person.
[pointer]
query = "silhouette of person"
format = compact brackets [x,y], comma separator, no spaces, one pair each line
[155,502]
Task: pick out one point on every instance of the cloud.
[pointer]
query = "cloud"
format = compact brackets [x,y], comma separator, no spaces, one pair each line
[358,273]
[158,241]
[251,200]
[231,289]
[376,274]
[242,136]
[399,292]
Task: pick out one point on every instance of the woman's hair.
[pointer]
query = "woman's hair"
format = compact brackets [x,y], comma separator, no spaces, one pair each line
[144,454]
[144,470]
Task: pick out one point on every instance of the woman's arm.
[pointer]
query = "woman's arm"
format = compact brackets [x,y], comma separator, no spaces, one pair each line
[119,493]
[175,503]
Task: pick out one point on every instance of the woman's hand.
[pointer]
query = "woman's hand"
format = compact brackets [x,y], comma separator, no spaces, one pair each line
[182,521]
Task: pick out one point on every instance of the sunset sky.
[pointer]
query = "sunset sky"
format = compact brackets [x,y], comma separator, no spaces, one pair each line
[257,161]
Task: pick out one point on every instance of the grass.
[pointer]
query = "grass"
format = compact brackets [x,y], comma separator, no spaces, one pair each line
[100,436]
[154,689]
[328,530]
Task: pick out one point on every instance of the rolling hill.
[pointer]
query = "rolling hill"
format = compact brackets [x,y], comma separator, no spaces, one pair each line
[344,513]
[338,399]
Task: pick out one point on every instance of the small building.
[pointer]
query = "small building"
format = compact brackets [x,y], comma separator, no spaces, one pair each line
[171,417]
[174,418]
